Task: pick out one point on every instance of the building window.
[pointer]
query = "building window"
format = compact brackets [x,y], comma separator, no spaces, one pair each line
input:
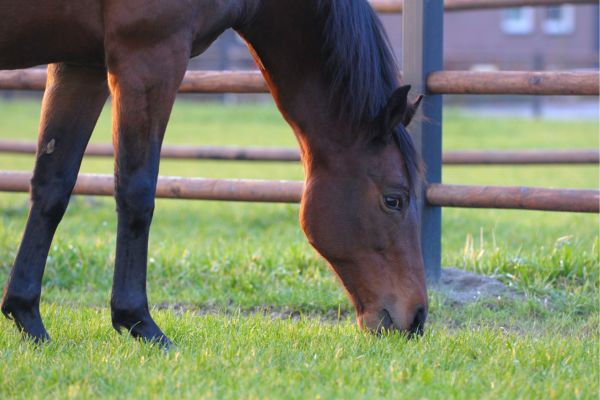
[559,20]
[518,21]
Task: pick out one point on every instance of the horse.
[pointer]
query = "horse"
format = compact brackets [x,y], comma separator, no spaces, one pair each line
[331,72]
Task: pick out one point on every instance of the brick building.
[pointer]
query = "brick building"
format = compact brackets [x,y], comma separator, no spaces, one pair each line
[526,38]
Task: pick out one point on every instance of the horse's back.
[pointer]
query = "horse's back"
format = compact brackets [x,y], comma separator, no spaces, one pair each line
[36,32]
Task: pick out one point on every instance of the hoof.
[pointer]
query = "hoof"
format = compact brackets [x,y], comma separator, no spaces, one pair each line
[27,318]
[162,342]
[143,328]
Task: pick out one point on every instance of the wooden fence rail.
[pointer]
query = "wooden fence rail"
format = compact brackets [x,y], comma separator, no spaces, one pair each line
[193,81]
[250,190]
[522,157]
[236,153]
[396,6]
[586,83]
[515,82]
[522,198]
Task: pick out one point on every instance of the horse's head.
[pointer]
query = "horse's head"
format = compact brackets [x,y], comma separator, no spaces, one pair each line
[359,211]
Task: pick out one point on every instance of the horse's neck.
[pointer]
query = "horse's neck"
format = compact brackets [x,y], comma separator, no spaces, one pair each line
[286,44]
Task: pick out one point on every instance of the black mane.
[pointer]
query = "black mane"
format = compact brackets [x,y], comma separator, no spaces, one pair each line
[360,65]
[362,70]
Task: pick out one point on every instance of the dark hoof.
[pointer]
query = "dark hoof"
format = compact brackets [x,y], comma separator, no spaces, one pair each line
[27,318]
[143,328]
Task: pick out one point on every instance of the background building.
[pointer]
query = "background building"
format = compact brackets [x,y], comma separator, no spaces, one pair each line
[526,38]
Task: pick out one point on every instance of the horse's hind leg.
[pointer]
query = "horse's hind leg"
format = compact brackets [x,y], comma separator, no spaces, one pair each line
[72,103]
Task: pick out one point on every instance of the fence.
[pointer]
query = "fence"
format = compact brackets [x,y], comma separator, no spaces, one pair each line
[397,6]
[252,190]
[422,68]
[438,82]
[233,153]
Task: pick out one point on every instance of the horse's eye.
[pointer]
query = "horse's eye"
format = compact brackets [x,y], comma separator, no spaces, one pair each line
[396,203]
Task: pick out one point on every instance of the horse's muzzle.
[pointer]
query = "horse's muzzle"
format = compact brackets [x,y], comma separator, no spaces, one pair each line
[384,322]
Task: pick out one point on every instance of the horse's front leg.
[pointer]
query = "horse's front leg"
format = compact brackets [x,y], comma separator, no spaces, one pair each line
[73,101]
[144,86]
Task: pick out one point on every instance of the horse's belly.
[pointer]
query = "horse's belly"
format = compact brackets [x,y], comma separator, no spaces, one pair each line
[36,32]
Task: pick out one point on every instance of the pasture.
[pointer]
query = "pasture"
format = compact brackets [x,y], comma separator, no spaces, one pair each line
[255,313]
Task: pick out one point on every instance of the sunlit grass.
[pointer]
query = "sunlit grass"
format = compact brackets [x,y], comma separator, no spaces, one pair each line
[237,356]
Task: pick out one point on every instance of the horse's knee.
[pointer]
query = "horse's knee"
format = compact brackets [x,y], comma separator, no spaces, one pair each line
[50,195]
[135,202]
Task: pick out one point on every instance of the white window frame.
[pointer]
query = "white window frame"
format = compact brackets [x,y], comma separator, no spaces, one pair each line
[565,25]
[521,26]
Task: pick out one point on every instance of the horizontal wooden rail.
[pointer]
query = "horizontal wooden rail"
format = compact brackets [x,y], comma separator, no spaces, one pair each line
[522,157]
[235,153]
[223,82]
[23,79]
[396,6]
[523,198]
[193,81]
[177,187]
[515,82]
[442,82]
[232,153]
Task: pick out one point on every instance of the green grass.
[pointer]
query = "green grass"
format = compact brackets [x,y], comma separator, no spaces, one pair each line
[255,357]
[232,259]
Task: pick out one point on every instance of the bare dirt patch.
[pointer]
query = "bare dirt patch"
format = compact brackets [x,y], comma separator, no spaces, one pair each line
[464,287]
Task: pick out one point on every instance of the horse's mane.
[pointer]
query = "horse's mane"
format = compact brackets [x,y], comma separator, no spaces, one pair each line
[361,68]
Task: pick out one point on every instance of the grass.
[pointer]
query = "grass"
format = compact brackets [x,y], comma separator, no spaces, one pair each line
[212,265]
[255,357]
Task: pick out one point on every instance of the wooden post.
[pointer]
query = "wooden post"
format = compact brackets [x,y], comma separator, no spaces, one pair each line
[422,53]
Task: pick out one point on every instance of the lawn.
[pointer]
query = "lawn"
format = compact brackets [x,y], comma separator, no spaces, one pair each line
[220,273]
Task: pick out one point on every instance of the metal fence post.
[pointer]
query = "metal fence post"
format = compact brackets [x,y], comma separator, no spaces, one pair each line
[422,53]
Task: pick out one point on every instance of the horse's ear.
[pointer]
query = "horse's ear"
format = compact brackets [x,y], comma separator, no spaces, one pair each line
[411,110]
[395,110]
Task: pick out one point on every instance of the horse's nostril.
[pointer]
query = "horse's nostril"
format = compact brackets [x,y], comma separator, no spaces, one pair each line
[416,328]
[386,321]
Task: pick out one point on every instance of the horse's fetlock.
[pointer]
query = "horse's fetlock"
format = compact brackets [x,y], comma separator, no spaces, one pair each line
[19,301]
[127,313]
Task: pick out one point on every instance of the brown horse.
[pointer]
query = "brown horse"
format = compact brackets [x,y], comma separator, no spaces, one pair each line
[330,69]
